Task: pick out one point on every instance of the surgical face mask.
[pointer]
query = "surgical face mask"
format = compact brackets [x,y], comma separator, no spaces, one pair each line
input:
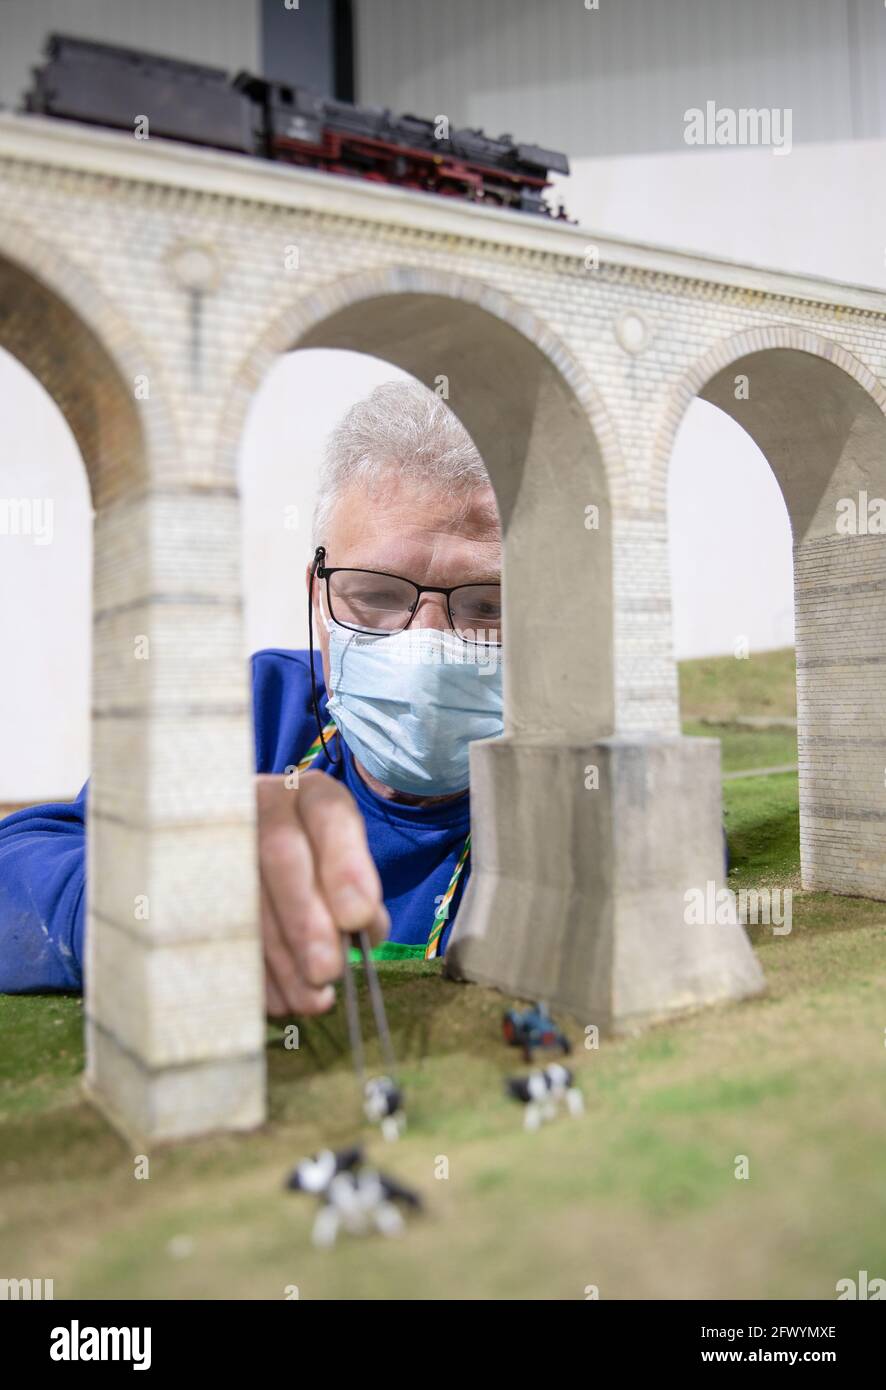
[409,704]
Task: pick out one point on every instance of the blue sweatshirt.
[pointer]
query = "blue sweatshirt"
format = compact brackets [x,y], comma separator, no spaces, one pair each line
[43,848]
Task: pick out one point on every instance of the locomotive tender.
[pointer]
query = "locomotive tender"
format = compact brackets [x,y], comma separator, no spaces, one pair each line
[102,84]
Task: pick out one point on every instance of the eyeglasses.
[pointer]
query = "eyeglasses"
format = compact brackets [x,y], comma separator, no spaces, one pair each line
[376,603]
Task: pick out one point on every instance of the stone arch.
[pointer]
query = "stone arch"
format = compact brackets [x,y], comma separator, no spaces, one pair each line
[170,806]
[503,365]
[299,319]
[818,414]
[728,353]
[78,345]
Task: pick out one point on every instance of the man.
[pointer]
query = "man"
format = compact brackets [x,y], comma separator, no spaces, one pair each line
[404,598]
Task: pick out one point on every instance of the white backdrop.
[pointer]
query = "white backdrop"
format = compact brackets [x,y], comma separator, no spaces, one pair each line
[299,403]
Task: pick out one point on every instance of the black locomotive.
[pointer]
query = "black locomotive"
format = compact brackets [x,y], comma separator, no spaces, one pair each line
[109,86]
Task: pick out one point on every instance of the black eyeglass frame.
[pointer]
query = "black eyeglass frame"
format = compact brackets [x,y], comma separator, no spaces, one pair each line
[319,570]
[325,572]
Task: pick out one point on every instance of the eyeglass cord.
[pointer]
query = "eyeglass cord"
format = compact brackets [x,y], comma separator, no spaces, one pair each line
[319,554]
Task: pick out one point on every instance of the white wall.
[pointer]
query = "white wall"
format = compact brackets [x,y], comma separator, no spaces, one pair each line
[617,79]
[299,403]
[821,210]
[45,598]
[730,541]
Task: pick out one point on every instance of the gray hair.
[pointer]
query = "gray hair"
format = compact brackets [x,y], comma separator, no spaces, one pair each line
[400,425]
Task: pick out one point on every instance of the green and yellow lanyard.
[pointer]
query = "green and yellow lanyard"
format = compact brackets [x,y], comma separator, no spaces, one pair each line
[395,950]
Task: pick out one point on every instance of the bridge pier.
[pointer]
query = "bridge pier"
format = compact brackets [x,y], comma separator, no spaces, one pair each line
[174,974]
[587,854]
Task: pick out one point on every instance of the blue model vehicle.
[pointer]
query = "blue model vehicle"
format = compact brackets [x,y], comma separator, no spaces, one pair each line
[533,1029]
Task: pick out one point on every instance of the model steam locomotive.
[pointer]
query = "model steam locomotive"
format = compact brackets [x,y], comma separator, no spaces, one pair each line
[109,86]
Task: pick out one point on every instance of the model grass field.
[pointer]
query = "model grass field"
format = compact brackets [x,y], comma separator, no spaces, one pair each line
[637,1198]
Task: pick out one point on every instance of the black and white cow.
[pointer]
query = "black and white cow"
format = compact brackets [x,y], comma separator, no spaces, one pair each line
[543,1091]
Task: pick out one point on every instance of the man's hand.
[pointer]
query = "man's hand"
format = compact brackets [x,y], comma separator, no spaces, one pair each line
[318,880]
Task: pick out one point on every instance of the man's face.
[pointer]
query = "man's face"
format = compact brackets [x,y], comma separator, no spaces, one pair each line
[426,535]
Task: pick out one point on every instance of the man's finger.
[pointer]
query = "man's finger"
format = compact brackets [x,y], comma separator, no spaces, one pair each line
[344,866]
[288,879]
[297,994]
[275,1004]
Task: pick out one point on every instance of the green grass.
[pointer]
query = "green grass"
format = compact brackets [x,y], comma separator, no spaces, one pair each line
[638,1196]
[726,687]
[763,828]
[742,748]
